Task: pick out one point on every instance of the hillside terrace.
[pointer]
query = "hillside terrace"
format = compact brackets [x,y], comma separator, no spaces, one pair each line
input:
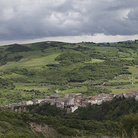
[72,101]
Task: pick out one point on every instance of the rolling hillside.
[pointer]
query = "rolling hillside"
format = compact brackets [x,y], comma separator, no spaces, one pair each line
[36,70]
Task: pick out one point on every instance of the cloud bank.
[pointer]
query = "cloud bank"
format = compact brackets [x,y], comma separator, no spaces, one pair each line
[34,19]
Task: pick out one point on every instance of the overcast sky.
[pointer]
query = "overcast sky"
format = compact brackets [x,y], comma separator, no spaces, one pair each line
[68,20]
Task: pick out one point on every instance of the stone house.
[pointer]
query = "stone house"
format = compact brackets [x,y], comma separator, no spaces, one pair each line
[136,98]
[135,92]
[72,101]
[29,103]
[127,95]
[74,108]
[92,101]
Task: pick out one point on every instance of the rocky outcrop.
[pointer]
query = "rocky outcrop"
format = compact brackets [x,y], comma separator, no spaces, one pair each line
[44,129]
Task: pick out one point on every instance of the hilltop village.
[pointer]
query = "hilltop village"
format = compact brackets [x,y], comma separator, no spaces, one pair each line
[72,101]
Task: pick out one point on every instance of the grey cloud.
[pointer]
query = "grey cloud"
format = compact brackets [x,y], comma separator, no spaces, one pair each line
[29,19]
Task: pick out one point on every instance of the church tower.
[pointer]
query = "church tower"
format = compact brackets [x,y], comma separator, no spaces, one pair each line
[57,93]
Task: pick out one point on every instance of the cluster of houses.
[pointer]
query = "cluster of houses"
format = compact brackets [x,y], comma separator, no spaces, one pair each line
[72,101]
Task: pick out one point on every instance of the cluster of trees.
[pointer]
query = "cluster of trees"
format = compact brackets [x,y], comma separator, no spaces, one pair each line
[73,57]
[116,83]
[20,71]
[110,110]
[42,46]
[14,125]
[4,59]
[83,122]
[80,72]
[17,48]
[93,90]
[35,92]
[129,125]
[6,84]
[12,53]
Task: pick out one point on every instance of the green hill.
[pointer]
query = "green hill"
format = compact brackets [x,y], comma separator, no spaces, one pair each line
[36,70]
[116,118]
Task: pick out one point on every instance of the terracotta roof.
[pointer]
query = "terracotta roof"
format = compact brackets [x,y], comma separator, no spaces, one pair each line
[130,92]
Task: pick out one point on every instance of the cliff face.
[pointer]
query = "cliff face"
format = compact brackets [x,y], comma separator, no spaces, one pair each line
[44,129]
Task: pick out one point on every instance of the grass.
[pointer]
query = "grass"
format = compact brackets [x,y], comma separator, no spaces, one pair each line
[32,63]
[73,90]
[125,78]
[123,55]
[14,76]
[30,86]
[128,58]
[107,49]
[135,55]
[34,59]
[35,62]
[123,89]
[95,61]
[133,70]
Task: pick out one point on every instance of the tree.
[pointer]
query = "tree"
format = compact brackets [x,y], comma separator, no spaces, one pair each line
[129,125]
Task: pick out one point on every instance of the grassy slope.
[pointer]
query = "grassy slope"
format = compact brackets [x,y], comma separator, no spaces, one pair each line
[130,55]
[95,61]
[129,78]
